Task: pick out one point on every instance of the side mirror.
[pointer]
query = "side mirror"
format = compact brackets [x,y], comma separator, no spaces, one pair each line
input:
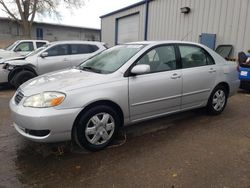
[140,69]
[44,54]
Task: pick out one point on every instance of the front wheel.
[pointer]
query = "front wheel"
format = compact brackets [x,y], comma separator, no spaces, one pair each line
[217,101]
[21,77]
[97,128]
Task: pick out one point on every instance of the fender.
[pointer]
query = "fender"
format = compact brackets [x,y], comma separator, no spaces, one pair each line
[19,68]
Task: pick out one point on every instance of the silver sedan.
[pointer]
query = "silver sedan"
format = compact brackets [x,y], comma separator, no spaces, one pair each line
[123,85]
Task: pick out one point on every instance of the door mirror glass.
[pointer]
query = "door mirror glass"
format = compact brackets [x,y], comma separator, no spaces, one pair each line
[44,54]
[140,69]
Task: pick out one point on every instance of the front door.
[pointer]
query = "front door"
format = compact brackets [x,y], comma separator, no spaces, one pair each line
[58,57]
[159,91]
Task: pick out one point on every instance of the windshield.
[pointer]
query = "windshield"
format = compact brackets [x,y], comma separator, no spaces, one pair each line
[11,46]
[111,59]
[36,51]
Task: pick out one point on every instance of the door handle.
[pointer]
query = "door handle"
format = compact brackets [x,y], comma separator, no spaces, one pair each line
[65,59]
[175,76]
[212,70]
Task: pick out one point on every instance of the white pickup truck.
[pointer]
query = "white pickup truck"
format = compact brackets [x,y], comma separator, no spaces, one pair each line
[21,48]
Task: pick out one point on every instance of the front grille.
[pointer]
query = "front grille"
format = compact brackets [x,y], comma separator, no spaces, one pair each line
[19,96]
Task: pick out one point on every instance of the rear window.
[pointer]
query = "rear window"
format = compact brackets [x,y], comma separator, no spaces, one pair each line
[83,48]
[40,44]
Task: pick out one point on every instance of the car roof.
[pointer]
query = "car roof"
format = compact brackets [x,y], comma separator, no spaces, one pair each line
[162,42]
[77,42]
[28,40]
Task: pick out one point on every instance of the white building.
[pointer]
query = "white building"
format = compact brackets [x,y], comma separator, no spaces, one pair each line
[11,31]
[226,22]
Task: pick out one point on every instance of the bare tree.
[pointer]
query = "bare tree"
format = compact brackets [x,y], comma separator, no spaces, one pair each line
[24,11]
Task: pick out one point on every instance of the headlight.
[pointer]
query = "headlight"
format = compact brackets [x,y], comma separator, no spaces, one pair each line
[44,100]
[10,67]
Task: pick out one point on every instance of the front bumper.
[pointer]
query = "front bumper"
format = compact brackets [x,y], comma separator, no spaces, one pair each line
[59,123]
[3,74]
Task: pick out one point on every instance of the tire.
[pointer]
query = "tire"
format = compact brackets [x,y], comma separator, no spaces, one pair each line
[20,77]
[217,100]
[91,131]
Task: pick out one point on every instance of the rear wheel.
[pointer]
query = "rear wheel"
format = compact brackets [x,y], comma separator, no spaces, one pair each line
[21,77]
[218,100]
[97,128]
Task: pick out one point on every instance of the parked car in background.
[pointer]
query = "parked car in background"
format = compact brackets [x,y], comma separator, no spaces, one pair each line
[244,71]
[122,85]
[21,48]
[51,57]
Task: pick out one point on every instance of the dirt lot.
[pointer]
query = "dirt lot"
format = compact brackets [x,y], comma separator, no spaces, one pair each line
[190,149]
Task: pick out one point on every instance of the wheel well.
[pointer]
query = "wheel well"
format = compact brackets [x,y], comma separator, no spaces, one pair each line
[224,84]
[19,69]
[98,103]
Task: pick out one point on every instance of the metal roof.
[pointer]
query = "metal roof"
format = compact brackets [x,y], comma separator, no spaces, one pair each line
[125,8]
[53,24]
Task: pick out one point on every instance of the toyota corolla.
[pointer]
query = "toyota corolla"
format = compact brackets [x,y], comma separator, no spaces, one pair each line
[123,85]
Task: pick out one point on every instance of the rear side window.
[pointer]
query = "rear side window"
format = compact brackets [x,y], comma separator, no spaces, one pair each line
[193,56]
[24,47]
[40,44]
[58,50]
[83,48]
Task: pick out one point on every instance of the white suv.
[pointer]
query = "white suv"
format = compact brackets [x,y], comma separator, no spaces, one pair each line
[52,57]
[21,48]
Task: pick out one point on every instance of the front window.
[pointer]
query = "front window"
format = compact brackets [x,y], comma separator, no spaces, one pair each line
[160,59]
[58,50]
[111,59]
[24,47]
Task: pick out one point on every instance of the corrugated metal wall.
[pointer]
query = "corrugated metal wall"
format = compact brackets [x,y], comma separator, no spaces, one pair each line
[108,24]
[228,19]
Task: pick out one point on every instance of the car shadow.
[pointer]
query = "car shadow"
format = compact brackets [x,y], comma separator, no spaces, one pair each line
[5,87]
[242,91]
[48,150]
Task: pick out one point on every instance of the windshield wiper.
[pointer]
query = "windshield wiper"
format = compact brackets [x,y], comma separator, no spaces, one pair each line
[90,69]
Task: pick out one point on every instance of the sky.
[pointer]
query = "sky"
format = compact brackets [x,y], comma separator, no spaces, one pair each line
[87,16]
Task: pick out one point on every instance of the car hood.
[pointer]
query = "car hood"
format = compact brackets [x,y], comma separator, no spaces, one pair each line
[64,80]
[7,54]
[11,60]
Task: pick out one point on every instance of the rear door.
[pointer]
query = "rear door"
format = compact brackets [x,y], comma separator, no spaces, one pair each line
[81,52]
[199,75]
[58,58]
